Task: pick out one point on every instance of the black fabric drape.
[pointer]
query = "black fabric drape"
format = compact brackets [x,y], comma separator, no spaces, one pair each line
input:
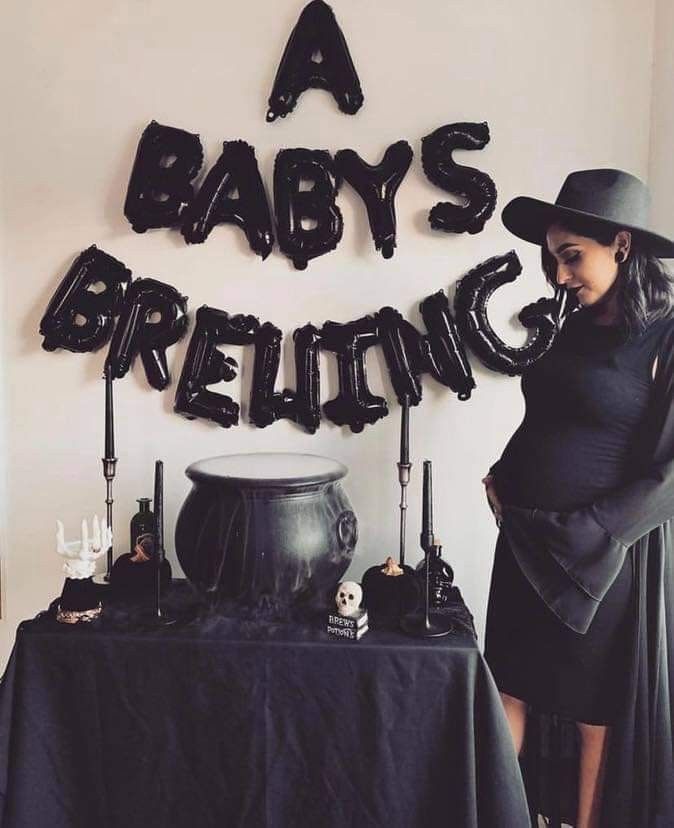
[250,723]
[572,558]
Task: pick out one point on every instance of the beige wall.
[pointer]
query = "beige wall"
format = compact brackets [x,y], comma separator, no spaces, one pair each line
[661,168]
[562,85]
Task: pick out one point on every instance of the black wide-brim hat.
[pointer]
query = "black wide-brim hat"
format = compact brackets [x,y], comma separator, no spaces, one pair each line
[613,197]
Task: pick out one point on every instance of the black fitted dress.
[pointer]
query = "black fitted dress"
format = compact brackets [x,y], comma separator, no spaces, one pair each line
[586,399]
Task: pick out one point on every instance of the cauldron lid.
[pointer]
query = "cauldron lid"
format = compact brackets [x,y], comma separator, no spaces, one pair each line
[267,469]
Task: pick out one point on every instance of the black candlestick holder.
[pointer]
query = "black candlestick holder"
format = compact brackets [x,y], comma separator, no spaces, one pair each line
[427,624]
[109,467]
[404,479]
[109,464]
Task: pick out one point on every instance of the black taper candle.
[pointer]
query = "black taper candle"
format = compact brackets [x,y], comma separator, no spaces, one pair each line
[405,431]
[427,507]
[158,507]
[109,416]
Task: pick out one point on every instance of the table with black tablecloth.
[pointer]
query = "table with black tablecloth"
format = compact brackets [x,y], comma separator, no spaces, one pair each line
[262,722]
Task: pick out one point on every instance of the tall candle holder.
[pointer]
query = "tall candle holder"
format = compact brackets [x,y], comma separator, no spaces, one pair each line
[404,469]
[109,466]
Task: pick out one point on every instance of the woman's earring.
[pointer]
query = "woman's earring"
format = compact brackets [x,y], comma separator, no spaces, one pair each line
[619,257]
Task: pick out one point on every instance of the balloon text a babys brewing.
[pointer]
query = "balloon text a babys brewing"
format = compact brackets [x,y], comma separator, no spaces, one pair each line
[152,316]
[161,191]
[97,302]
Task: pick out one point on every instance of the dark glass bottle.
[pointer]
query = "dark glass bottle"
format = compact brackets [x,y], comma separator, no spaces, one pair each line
[143,530]
[440,578]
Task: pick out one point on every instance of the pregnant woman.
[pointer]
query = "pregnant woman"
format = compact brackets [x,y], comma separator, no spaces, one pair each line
[579,619]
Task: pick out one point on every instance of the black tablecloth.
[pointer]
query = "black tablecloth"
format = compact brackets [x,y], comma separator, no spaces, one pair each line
[263,723]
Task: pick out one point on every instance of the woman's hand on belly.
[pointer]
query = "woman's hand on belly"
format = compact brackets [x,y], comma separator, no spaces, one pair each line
[492,497]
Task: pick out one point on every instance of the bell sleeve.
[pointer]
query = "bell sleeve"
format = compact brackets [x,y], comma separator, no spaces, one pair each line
[572,558]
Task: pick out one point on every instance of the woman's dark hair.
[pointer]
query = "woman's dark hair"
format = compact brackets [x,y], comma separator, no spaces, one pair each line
[645,288]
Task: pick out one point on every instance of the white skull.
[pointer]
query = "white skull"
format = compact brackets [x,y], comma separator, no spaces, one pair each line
[348,598]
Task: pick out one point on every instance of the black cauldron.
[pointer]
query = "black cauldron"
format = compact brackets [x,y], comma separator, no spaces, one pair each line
[266,527]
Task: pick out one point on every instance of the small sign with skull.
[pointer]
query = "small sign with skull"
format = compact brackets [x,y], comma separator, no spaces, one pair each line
[350,622]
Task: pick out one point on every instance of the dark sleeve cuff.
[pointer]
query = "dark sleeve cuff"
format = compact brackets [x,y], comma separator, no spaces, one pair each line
[568,558]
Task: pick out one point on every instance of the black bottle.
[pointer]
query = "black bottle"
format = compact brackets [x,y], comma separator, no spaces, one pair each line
[440,578]
[143,540]
[134,574]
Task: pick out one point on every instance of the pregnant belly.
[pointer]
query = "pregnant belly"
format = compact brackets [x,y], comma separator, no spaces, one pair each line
[561,469]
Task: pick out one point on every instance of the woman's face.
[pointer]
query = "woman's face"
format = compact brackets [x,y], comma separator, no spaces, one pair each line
[585,266]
